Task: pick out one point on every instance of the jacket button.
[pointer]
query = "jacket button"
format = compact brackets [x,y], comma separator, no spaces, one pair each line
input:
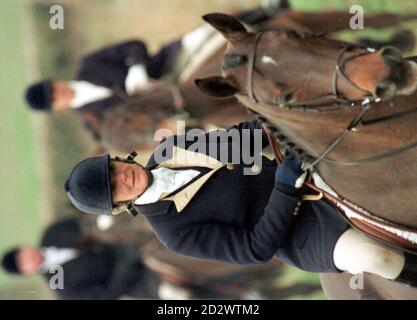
[230,166]
[255,168]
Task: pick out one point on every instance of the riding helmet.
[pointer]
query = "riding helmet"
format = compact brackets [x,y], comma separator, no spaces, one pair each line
[39,95]
[88,185]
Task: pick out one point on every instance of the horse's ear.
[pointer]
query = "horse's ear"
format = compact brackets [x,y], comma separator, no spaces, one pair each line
[217,86]
[228,26]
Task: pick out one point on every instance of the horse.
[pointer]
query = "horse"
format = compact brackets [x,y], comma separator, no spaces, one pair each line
[350,118]
[131,126]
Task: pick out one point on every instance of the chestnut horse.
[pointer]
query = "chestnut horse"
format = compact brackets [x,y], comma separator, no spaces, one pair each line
[132,125]
[348,112]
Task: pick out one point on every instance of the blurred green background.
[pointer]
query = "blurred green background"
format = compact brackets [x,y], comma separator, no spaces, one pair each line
[38,150]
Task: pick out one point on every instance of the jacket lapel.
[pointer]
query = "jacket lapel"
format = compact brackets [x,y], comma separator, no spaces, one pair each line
[182,158]
[186,159]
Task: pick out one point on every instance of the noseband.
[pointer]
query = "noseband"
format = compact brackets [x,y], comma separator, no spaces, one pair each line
[309,162]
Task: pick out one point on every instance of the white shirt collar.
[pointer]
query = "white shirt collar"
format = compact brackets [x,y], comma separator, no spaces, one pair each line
[166,181]
[56,256]
[87,92]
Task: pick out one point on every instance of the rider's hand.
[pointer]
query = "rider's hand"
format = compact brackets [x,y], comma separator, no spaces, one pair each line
[287,173]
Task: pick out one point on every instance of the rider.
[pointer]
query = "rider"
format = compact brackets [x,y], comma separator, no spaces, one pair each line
[97,269]
[202,204]
[107,76]
[91,269]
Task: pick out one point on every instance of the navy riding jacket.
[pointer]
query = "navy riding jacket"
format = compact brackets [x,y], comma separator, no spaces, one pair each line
[247,219]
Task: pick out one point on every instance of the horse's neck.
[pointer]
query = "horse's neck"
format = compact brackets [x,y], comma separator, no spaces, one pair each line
[386,187]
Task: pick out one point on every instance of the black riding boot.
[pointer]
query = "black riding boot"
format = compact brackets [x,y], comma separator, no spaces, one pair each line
[260,14]
[408,275]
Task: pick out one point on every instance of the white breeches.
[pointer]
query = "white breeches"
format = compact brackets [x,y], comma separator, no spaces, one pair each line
[356,253]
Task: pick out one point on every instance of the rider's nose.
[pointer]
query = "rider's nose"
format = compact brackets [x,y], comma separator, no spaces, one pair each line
[119,176]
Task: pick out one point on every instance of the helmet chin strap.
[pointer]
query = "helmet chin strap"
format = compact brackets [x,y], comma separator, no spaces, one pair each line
[130,158]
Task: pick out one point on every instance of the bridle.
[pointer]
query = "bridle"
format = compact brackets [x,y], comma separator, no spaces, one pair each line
[309,162]
[178,100]
[338,71]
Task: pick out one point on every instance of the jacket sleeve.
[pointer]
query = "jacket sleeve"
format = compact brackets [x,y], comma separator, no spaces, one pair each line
[238,245]
[128,53]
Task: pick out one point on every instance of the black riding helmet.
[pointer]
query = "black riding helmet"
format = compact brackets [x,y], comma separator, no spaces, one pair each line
[88,185]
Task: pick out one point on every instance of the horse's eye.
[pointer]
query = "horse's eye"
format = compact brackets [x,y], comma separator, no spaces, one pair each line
[293,34]
[233,60]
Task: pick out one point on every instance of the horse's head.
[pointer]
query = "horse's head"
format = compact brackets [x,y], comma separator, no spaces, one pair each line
[290,67]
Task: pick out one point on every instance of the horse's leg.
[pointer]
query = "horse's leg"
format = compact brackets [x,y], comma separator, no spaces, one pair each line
[333,21]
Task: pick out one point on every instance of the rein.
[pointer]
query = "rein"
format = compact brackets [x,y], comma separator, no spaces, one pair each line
[309,162]
[178,99]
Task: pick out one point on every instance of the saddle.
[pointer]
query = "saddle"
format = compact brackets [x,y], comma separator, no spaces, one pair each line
[366,222]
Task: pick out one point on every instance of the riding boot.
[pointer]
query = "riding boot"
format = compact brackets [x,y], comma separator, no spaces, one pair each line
[408,275]
[260,14]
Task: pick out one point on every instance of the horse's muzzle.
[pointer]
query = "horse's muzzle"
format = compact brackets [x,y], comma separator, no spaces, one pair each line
[399,76]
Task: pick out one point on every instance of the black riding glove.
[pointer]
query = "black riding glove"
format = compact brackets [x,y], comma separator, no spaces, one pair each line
[287,174]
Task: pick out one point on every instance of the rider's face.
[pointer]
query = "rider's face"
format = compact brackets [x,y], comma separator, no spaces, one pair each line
[29,260]
[62,94]
[128,181]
